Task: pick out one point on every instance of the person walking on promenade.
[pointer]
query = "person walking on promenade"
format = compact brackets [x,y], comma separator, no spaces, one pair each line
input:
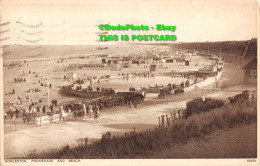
[98,114]
[43,109]
[16,113]
[62,114]
[84,111]
[90,111]
[13,117]
[129,104]
[95,114]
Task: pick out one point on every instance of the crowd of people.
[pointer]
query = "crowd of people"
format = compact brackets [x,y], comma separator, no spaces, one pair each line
[90,108]
[84,88]
[34,90]
[84,109]
[12,92]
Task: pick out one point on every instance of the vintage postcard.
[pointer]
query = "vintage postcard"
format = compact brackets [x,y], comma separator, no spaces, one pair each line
[140,82]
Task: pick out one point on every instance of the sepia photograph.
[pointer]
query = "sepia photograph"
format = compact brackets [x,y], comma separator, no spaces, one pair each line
[163,81]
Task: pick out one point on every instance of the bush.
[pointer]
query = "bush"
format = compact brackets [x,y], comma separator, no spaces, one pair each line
[240,97]
[198,106]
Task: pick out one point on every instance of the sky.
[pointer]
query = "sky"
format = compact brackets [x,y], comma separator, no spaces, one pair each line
[75,22]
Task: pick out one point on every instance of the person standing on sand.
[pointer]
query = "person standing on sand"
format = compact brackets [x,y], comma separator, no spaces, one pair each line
[16,113]
[98,114]
[182,84]
[95,114]
[173,86]
[5,114]
[13,118]
[97,107]
[135,104]
[43,109]
[179,114]
[129,104]
[167,99]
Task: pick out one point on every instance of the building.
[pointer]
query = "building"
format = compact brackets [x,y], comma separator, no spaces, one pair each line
[104,61]
[250,72]
[152,68]
[187,63]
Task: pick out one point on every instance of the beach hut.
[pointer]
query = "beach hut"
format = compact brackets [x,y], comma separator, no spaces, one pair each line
[187,63]
[104,61]
[152,68]
[169,60]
